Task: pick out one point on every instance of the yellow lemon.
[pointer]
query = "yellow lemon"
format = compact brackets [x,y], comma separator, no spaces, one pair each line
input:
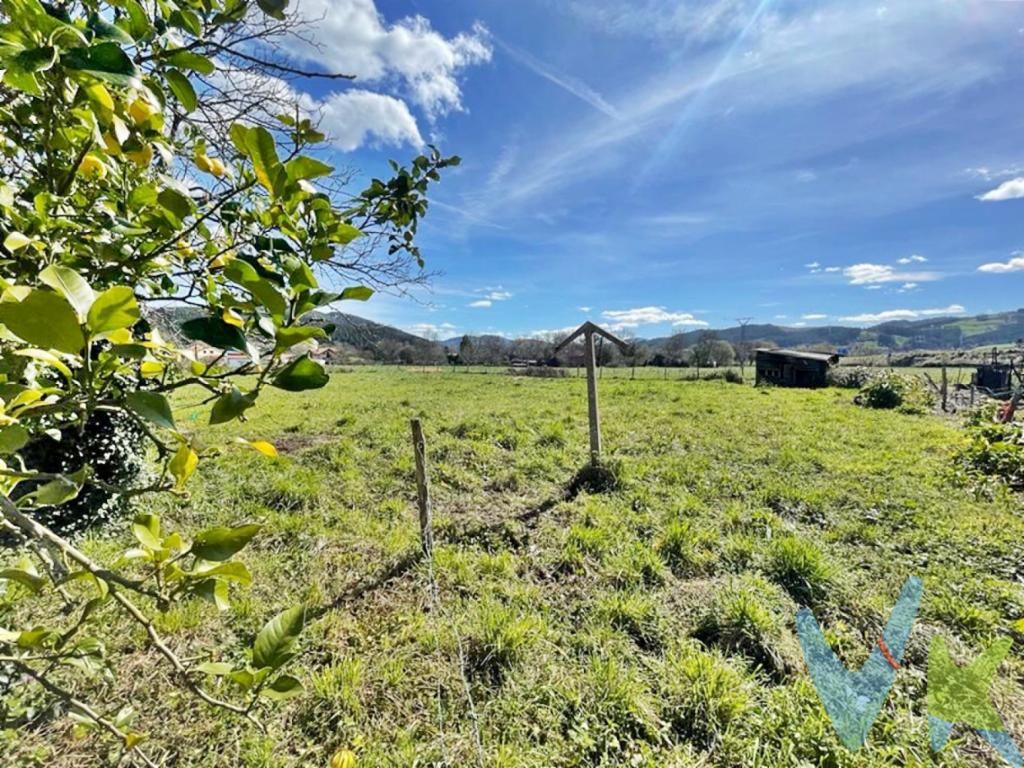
[92,167]
[141,110]
[217,168]
[142,157]
[343,758]
[111,144]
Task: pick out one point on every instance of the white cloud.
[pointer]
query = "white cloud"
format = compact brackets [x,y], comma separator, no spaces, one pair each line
[1015,264]
[354,118]
[631,318]
[351,36]
[430,329]
[907,287]
[813,317]
[813,265]
[1008,190]
[481,304]
[499,295]
[914,259]
[868,274]
[905,314]
[584,309]
[833,269]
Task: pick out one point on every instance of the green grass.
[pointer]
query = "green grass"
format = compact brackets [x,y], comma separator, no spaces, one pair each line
[651,626]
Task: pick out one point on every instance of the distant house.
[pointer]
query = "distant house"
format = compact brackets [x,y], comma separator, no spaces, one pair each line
[791,368]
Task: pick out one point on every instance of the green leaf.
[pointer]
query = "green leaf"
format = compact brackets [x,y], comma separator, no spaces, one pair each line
[263,152]
[182,89]
[15,241]
[274,8]
[44,319]
[275,644]
[114,309]
[230,406]
[220,543]
[289,337]
[243,678]
[214,591]
[215,332]
[230,571]
[146,528]
[31,581]
[356,293]
[13,438]
[283,687]
[183,465]
[56,492]
[300,375]
[193,61]
[245,275]
[153,407]
[215,668]
[240,137]
[307,168]
[345,234]
[104,30]
[71,285]
[106,61]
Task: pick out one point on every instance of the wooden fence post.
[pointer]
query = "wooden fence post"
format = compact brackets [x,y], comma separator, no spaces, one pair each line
[419,447]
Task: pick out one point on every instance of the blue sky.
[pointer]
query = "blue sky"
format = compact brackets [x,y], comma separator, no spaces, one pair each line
[660,166]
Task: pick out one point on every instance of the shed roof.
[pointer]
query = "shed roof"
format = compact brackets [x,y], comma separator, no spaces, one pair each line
[821,357]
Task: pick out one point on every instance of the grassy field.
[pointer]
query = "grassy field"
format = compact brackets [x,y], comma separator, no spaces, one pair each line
[648,626]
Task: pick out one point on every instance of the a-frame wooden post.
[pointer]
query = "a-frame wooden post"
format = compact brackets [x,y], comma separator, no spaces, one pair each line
[588,331]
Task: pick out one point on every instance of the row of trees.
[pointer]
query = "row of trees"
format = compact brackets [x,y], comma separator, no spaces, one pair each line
[709,351]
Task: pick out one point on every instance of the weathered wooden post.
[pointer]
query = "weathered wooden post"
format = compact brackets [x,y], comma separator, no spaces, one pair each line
[419,448]
[588,331]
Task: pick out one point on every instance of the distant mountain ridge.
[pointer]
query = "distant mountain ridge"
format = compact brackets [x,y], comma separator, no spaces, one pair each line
[378,340]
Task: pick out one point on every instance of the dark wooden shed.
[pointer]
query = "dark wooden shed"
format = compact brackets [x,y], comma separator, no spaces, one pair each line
[994,376]
[791,368]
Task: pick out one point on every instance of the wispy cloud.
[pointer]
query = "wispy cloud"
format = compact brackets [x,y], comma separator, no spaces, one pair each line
[814,316]
[1015,264]
[913,259]
[570,84]
[481,304]
[890,315]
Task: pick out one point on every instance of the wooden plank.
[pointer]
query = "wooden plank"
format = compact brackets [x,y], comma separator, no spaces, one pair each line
[419,446]
[594,415]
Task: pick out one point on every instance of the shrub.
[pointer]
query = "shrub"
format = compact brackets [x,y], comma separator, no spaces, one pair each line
[848,377]
[682,548]
[702,694]
[743,617]
[993,451]
[799,567]
[890,390]
[497,640]
[635,614]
